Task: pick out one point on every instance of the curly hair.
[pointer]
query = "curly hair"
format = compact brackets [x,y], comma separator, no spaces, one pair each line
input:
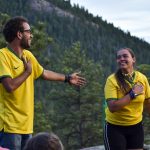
[12,26]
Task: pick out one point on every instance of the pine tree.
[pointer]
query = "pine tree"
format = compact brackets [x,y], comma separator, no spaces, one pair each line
[77,109]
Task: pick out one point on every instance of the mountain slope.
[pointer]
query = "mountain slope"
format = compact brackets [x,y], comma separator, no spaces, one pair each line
[68,24]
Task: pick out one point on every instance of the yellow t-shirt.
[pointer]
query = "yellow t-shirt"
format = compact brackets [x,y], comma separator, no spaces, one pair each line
[132,113]
[17,107]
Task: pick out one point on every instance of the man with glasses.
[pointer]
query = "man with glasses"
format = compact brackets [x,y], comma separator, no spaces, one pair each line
[18,70]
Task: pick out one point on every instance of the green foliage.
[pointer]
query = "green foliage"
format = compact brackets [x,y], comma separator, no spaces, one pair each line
[40,39]
[78,120]
[3,19]
[70,24]
[75,114]
[41,122]
[145,69]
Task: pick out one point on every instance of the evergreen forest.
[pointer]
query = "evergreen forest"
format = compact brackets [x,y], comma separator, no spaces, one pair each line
[70,39]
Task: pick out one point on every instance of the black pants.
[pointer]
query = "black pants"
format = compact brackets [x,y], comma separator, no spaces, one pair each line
[123,137]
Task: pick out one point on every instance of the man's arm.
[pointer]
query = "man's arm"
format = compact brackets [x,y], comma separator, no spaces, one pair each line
[73,79]
[12,84]
[50,75]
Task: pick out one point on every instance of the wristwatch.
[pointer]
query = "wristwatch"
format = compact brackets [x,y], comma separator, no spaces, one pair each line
[135,94]
[132,94]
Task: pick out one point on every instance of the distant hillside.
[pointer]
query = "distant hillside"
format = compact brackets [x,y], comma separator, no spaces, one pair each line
[67,39]
[68,24]
[48,7]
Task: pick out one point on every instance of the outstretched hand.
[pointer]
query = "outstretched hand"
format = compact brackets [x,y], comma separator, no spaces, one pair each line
[77,80]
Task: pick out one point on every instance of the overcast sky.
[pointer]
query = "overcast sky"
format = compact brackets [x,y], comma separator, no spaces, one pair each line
[128,15]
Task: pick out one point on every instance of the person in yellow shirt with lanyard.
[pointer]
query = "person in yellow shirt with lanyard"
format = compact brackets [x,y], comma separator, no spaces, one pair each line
[18,70]
[125,94]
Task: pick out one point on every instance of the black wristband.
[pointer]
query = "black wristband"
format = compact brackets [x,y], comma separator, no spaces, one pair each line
[67,78]
[132,94]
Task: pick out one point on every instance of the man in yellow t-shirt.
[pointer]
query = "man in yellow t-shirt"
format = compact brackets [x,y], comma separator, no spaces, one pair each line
[18,70]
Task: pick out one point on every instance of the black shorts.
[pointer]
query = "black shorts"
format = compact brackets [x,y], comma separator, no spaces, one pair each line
[123,137]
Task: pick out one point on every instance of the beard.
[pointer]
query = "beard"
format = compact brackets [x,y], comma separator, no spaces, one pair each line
[24,43]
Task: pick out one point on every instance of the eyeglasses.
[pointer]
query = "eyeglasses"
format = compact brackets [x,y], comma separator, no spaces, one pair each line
[27,30]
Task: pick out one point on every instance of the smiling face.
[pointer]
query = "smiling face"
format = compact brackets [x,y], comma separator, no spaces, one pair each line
[125,60]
